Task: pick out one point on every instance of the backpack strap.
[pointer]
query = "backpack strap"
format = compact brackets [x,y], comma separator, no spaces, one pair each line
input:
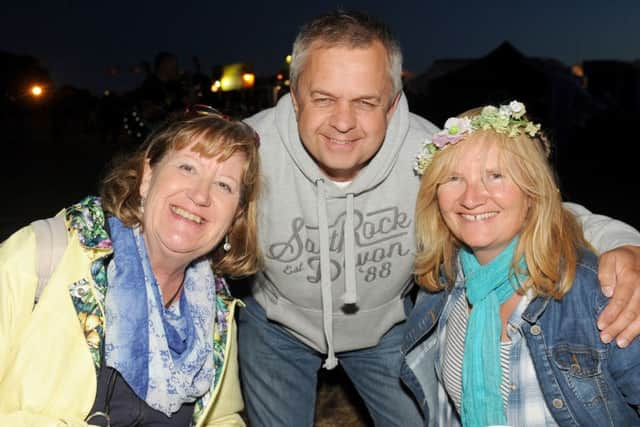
[51,242]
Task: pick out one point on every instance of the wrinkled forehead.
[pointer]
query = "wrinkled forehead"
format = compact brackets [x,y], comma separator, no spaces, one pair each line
[375,47]
[334,65]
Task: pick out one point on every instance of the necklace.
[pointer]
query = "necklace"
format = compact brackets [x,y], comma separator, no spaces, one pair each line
[172,299]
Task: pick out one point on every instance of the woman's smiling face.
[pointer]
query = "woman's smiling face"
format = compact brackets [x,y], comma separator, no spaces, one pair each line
[480,203]
[190,202]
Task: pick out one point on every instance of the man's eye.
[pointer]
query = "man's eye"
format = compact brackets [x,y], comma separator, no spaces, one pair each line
[322,101]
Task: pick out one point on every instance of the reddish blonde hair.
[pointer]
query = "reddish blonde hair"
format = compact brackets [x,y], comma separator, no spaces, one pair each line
[209,136]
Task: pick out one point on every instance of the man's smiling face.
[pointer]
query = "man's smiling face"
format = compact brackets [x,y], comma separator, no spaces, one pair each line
[343,101]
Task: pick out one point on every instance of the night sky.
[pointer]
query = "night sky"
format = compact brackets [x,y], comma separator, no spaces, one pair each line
[79,40]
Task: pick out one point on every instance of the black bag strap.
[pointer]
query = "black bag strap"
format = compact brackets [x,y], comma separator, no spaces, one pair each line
[51,242]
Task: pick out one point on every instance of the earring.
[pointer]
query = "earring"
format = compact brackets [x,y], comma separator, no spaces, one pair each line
[141,204]
[227,245]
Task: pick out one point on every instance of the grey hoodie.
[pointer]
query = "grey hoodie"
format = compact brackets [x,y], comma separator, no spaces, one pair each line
[338,261]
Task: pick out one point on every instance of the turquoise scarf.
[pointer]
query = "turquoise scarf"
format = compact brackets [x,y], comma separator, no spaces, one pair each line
[487,286]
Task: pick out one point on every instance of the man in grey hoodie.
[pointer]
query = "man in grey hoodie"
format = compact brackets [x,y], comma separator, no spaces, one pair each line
[336,228]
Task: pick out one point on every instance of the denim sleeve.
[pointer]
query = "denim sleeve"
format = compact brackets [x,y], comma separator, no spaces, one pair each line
[624,365]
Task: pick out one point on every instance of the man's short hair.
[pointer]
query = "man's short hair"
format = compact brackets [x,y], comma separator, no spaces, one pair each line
[350,29]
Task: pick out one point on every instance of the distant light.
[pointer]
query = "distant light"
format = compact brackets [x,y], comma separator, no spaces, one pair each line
[248,79]
[236,77]
[577,70]
[226,83]
[107,92]
[286,82]
[215,86]
[37,90]
[279,76]
[288,59]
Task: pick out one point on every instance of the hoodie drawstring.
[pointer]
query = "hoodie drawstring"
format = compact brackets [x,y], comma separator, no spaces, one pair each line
[350,295]
[325,274]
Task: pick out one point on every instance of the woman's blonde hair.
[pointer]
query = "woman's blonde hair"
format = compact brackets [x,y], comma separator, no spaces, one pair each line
[212,136]
[550,236]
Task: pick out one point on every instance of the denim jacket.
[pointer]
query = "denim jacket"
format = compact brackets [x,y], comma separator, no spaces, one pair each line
[584,381]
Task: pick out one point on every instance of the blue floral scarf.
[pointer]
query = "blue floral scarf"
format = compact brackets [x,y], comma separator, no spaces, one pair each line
[487,286]
[164,354]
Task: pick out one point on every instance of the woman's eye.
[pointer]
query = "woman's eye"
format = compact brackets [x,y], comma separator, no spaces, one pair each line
[224,187]
[496,175]
[449,180]
[186,167]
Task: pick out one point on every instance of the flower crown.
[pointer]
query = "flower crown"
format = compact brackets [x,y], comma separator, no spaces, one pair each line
[506,119]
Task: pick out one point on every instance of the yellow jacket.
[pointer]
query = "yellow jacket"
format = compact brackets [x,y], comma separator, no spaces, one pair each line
[47,375]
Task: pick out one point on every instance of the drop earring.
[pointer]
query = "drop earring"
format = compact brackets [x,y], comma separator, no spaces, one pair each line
[227,245]
[141,204]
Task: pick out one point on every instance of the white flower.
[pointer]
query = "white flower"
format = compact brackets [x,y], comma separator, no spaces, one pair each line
[489,110]
[517,109]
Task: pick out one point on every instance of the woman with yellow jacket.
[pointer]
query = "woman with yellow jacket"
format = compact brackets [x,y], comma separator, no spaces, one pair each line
[135,324]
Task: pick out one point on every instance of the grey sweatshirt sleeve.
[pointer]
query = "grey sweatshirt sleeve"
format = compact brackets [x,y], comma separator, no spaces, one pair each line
[602,232]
